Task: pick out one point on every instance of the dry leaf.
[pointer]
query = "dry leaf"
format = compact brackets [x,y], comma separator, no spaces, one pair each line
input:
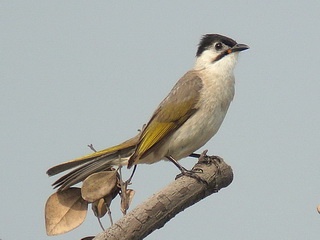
[98,185]
[126,199]
[108,199]
[99,208]
[65,211]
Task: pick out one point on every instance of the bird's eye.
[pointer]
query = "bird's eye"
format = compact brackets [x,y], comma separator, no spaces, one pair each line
[218,46]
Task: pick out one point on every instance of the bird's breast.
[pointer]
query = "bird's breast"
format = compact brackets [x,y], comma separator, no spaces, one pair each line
[215,98]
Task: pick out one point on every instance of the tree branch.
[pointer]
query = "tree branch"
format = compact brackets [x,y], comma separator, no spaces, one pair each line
[185,191]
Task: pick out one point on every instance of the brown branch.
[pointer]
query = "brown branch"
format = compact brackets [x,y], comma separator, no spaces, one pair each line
[185,191]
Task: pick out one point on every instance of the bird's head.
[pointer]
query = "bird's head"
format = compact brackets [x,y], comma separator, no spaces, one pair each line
[219,53]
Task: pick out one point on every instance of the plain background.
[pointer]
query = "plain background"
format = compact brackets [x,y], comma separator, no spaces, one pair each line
[81,72]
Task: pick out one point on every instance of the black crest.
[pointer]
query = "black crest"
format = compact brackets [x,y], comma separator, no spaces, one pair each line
[208,39]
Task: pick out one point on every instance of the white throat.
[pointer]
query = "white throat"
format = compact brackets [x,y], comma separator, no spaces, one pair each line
[224,66]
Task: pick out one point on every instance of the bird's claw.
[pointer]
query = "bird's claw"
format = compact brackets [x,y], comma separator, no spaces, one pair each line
[193,174]
[205,159]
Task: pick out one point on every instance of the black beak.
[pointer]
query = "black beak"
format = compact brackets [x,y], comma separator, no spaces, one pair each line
[238,48]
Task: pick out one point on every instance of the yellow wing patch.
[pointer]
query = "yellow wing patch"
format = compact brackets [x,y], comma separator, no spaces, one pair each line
[174,110]
[155,132]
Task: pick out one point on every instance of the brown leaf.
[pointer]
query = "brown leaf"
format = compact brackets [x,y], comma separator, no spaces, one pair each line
[108,198]
[126,198]
[65,211]
[99,208]
[98,185]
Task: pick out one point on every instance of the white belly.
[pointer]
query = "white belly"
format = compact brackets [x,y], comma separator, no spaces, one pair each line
[215,98]
[195,133]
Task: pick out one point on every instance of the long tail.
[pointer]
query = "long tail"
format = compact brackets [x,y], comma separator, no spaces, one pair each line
[92,163]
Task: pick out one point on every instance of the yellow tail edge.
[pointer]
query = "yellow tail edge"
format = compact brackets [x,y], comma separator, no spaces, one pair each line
[90,157]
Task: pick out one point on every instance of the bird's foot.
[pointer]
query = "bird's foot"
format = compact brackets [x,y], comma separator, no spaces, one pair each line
[193,174]
[190,173]
[203,158]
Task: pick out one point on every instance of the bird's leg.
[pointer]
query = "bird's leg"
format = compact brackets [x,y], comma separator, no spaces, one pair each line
[178,165]
[185,172]
[203,157]
[195,155]
[131,176]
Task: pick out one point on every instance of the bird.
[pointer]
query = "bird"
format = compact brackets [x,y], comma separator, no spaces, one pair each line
[188,117]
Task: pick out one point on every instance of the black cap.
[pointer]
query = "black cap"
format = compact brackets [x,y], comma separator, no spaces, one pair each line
[208,39]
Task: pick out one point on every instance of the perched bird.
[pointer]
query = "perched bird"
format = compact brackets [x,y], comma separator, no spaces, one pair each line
[184,121]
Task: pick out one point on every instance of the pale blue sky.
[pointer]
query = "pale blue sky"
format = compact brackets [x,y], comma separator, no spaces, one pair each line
[81,72]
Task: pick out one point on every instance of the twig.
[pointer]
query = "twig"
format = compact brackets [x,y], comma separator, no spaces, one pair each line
[91,147]
[153,213]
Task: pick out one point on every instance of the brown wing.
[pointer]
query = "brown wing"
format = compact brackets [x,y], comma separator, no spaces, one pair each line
[174,110]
